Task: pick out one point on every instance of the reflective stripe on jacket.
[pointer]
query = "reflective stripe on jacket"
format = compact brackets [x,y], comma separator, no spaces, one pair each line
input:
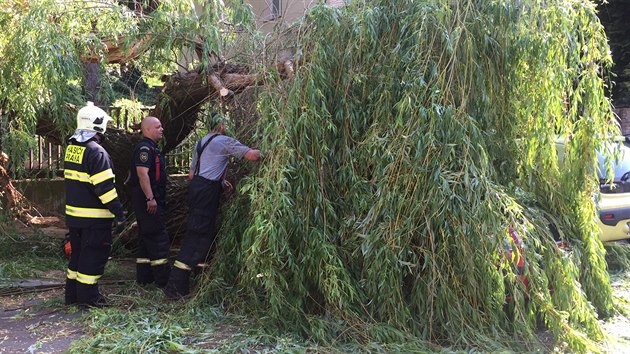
[91,197]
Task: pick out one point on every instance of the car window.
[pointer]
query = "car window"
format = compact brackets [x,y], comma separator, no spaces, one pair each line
[620,166]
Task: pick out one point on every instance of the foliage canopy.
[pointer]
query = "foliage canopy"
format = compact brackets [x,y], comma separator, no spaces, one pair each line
[413,137]
[44,55]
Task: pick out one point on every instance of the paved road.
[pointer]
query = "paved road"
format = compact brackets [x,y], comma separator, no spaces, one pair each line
[26,330]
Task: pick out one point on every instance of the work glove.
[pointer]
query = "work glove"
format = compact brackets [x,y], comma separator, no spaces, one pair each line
[119,224]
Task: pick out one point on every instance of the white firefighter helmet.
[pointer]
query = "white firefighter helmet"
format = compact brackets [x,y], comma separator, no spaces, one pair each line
[93,119]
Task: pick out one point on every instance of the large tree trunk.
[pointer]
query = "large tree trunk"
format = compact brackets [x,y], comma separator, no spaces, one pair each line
[93,83]
[185,93]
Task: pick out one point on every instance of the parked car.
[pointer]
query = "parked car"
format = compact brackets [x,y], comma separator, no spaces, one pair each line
[613,199]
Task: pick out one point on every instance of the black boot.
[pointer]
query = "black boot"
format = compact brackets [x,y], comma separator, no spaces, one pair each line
[144,273]
[71,292]
[161,274]
[89,296]
[178,284]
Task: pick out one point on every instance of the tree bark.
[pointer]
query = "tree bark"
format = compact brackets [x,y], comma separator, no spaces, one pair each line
[93,83]
[116,54]
[10,198]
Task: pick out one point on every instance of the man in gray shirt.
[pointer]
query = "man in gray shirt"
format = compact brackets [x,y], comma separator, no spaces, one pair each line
[207,182]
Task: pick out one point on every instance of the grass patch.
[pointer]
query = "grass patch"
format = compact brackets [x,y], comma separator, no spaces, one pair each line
[178,328]
[141,321]
[15,244]
[52,303]
[28,255]
[618,260]
[25,267]
[119,269]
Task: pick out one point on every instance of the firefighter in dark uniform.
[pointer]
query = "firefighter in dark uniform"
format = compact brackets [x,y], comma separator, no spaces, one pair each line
[207,183]
[92,205]
[148,197]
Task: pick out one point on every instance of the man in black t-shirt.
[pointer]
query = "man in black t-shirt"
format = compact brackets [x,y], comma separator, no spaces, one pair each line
[148,197]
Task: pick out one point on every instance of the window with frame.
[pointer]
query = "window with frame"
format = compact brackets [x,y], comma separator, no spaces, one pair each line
[275,9]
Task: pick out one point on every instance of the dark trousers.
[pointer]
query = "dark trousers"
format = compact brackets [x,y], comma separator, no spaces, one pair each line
[91,248]
[153,242]
[203,201]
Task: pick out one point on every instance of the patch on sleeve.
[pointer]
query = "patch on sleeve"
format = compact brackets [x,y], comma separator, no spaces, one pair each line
[144,156]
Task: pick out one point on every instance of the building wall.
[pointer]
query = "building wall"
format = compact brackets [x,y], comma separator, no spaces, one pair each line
[266,18]
[289,11]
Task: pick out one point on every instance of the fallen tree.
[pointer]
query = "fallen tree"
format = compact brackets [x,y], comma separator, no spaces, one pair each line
[398,157]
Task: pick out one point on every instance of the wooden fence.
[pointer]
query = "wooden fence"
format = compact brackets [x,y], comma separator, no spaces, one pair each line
[46,160]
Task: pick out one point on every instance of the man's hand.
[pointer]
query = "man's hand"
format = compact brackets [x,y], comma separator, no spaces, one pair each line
[119,224]
[252,155]
[152,206]
[227,186]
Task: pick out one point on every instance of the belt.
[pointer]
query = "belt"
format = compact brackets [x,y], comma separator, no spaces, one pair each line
[207,180]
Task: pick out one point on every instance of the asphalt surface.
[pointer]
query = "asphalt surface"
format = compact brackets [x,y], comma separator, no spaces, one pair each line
[24,329]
